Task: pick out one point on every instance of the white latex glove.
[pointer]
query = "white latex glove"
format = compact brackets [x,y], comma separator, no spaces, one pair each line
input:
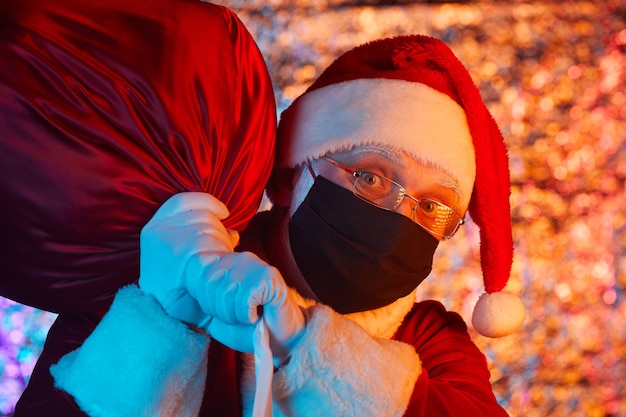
[186,228]
[236,291]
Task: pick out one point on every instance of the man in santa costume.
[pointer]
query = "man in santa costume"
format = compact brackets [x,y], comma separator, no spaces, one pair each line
[378,161]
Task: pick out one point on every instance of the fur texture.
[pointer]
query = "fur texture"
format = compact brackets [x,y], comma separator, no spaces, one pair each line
[165,377]
[347,359]
[425,123]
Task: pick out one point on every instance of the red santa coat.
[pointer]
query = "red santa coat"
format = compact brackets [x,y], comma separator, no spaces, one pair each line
[429,367]
[412,359]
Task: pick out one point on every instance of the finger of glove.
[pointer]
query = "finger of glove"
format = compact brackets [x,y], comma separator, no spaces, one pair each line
[209,225]
[185,234]
[183,218]
[237,337]
[168,243]
[164,256]
[195,216]
[192,201]
[259,282]
[182,306]
[219,291]
[285,321]
[283,316]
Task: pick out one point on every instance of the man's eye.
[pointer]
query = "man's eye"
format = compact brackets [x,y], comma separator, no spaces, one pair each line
[428,206]
[370,179]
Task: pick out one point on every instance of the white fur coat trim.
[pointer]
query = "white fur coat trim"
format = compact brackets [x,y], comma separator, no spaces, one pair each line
[339,369]
[164,376]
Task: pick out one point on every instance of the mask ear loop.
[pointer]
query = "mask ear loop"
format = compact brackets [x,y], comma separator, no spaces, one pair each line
[308,165]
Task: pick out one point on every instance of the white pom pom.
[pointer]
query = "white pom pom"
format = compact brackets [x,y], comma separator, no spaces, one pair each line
[498,314]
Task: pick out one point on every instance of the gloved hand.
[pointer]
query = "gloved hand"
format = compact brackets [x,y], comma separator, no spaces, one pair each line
[236,291]
[186,228]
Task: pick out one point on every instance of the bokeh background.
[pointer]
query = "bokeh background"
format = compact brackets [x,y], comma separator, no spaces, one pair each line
[553,75]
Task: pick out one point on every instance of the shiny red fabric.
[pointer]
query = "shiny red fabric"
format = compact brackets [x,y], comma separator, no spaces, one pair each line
[108,108]
[455,376]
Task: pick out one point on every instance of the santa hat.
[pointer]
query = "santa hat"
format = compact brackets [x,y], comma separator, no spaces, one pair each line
[412,94]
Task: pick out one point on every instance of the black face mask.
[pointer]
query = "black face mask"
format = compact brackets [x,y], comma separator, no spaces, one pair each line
[356,256]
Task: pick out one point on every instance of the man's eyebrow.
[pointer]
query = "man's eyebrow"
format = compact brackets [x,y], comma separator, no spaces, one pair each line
[446,179]
[391,154]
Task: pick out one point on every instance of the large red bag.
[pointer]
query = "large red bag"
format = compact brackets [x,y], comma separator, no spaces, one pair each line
[108,108]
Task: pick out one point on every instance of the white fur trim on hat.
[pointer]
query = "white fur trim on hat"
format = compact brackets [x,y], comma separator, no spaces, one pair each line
[405,115]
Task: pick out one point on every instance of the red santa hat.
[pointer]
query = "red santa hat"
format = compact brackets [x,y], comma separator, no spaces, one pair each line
[412,94]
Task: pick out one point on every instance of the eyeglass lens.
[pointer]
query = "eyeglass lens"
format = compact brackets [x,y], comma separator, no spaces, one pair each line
[385,193]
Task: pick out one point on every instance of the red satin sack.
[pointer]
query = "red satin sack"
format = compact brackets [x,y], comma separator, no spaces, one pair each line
[107,109]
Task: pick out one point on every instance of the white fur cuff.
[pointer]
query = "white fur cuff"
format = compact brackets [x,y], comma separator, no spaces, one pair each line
[338,369]
[138,362]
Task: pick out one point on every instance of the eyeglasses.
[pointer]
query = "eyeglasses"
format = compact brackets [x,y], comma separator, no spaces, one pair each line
[435,217]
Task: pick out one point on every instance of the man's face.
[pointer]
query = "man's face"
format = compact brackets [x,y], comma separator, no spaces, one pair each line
[419,179]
